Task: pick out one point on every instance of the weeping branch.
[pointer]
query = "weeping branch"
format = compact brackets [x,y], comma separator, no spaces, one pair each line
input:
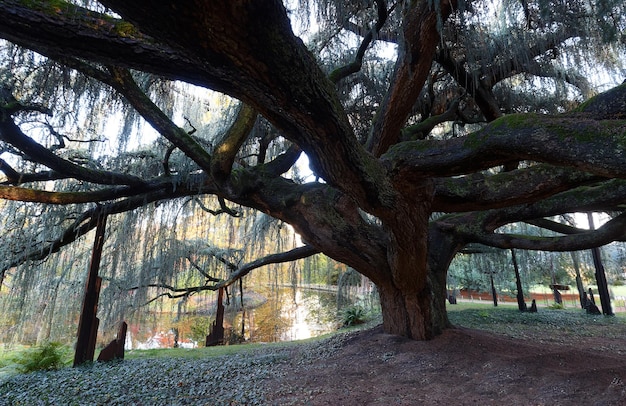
[126,86]
[355,66]
[122,81]
[13,135]
[174,292]
[86,221]
[223,208]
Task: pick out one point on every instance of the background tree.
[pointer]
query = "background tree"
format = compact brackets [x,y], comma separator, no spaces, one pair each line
[475,126]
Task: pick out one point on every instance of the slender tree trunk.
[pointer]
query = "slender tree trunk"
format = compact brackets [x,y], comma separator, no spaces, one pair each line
[494,294]
[521,303]
[603,289]
[579,280]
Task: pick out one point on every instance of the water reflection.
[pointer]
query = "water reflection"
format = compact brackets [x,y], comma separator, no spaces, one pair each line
[270,315]
[293,314]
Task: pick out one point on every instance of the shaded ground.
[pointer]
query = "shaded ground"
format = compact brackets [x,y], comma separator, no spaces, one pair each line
[461,367]
[499,357]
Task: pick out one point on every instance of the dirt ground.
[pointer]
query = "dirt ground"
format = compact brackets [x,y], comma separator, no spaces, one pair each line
[461,367]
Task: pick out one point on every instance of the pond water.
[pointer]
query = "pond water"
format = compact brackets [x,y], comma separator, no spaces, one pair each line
[271,315]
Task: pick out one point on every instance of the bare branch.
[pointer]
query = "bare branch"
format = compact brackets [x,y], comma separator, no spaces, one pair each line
[223,208]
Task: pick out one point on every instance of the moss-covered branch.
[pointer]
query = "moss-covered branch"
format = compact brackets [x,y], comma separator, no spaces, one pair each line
[613,230]
[484,191]
[226,150]
[585,144]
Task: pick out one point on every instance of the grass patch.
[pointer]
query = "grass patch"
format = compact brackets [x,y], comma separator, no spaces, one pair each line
[556,325]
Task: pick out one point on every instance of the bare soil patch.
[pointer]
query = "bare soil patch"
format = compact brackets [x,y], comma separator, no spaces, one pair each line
[461,367]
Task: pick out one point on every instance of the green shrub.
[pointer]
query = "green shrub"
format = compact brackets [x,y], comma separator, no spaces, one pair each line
[556,306]
[352,316]
[49,356]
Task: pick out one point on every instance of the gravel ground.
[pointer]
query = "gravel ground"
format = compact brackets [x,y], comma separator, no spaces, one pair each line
[225,380]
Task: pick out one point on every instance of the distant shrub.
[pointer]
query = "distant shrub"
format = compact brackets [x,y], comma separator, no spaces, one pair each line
[47,357]
[352,316]
[556,306]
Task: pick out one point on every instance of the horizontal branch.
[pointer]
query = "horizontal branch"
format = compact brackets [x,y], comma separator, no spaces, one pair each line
[288,256]
[613,230]
[573,141]
[485,191]
[42,196]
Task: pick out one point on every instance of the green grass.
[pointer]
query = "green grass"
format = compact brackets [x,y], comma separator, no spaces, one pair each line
[551,325]
[547,324]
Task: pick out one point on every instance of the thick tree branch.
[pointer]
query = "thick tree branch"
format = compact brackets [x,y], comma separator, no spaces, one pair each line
[47,197]
[485,191]
[227,148]
[44,26]
[613,230]
[421,34]
[574,141]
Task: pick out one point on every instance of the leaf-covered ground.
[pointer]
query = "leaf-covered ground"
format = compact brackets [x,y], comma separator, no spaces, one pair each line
[494,357]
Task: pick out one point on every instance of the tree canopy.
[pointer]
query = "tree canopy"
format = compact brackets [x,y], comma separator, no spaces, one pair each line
[427,125]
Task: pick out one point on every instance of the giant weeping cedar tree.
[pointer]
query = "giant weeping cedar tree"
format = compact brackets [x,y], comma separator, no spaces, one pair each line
[454,143]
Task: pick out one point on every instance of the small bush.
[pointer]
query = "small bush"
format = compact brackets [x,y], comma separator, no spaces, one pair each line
[556,306]
[352,316]
[47,357]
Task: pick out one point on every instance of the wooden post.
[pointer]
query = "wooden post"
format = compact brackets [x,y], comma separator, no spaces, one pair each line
[88,323]
[115,349]
[216,336]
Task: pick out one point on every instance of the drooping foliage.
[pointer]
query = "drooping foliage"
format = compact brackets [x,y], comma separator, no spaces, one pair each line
[427,125]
